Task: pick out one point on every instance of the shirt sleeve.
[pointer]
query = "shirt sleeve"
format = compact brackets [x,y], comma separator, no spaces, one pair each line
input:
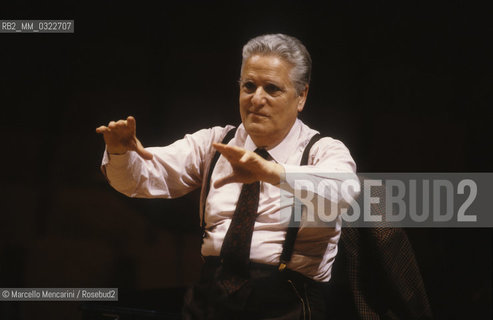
[174,170]
[330,174]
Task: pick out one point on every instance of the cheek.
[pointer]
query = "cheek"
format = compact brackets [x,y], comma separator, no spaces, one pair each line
[287,114]
[243,108]
[243,99]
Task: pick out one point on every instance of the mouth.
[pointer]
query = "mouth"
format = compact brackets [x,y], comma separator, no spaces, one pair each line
[259,114]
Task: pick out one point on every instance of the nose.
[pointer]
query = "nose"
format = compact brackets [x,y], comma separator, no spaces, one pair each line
[258,98]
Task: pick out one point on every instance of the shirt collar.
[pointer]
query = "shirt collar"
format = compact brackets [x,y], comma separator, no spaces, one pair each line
[286,147]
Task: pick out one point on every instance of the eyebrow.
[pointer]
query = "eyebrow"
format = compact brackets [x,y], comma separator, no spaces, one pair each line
[247,79]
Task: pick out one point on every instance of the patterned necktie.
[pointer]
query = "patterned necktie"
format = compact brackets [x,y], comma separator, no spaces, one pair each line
[235,252]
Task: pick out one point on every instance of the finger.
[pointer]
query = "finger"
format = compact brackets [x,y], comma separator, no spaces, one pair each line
[121,123]
[102,129]
[225,147]
[247,157]
[112,124]
[219,146]
[230,152]
[223,181]
[131,123]
[143,152]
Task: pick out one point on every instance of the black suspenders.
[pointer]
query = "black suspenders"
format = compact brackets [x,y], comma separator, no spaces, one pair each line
[292,232]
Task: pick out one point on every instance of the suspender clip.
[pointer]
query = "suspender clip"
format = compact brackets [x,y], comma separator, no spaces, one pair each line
[282,266]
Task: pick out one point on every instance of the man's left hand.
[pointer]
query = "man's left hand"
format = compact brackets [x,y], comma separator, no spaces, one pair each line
[248,167]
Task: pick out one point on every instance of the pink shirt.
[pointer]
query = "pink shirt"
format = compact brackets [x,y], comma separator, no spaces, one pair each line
[182,167]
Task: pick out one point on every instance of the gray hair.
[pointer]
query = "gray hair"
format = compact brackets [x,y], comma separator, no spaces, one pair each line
[286,47]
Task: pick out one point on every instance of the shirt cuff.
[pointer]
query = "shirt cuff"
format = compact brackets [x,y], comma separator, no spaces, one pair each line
[115,160]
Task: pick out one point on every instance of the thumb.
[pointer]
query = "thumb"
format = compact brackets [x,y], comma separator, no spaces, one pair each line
[139,148]
[141,151]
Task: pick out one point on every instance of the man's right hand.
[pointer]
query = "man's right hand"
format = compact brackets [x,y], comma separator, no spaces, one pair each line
[120,136]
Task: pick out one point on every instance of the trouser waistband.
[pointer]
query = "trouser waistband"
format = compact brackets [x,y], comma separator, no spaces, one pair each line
[256,271]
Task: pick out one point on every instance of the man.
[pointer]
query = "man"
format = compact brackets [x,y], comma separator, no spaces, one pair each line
[267,147]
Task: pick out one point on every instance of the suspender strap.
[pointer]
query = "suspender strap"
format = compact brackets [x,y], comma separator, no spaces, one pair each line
[226,139]
[292,232]
[306,153]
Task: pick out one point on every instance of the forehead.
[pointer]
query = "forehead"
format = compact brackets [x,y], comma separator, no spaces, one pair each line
[268,67]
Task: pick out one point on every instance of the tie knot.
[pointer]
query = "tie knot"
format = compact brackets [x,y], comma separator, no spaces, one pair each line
[262,152]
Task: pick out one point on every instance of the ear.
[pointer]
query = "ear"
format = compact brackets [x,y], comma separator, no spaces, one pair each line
[302,98]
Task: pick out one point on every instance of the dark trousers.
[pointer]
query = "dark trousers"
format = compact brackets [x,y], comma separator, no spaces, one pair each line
[267,294]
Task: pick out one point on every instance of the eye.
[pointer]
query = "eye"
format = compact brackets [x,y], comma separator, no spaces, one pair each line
[249,86]
[272,89]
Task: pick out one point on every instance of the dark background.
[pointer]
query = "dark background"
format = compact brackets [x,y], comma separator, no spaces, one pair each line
[405,86]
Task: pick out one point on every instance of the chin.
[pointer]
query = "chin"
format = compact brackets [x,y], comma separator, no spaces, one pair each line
[257,130]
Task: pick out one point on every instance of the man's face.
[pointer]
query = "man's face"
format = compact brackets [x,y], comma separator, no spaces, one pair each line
[269,103]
